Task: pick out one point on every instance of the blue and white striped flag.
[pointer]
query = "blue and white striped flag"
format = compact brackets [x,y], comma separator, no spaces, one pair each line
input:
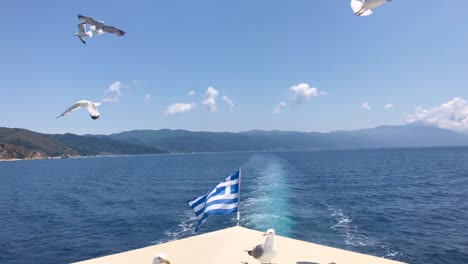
[222,199]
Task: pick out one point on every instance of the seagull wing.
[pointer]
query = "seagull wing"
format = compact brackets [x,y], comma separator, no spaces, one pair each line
[113,30]
[87,20]
[92,109]
[371,4]
[356,5]
[82,28]
[257,251]
[71,109]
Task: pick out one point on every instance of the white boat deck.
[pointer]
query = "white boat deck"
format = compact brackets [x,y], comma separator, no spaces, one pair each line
[228,246]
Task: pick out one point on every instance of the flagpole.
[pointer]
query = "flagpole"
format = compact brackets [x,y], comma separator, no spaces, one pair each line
[238,199]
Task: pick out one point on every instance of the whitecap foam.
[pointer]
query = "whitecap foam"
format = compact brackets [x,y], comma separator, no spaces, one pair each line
[352,236]
[185,228]
[349,231]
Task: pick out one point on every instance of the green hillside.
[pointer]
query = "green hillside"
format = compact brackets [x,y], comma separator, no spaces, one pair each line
[16,143]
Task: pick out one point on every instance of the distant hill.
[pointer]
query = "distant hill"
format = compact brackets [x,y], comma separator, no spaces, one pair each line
[21,143]
[187,141]
[15,152]
[18,143]
[379,137]
[404,136]
[102,145]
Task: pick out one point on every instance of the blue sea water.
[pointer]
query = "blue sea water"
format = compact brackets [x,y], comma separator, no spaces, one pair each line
[404,204]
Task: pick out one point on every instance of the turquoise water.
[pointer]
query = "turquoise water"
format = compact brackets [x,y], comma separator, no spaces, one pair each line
[404,204]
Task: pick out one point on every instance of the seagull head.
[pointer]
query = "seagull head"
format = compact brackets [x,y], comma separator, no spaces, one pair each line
[160,259]
[270,233]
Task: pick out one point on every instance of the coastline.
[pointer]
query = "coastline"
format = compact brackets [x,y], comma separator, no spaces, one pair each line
[238,151]
[45,158]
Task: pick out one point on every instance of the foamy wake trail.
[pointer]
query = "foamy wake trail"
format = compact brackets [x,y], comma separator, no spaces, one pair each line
[354,237]
[185,228]
[265,202]
[350,232]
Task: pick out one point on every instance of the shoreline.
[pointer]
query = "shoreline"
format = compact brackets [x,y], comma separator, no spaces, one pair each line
[236,151]
[45,158]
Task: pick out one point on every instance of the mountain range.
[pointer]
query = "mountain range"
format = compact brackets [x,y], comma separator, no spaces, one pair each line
[18,143]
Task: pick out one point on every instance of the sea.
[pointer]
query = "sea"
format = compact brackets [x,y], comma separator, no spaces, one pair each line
[408,204]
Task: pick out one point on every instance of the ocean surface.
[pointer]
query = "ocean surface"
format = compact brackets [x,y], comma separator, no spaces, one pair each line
[404,204]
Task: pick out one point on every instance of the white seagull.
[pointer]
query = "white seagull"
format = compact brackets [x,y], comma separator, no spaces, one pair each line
[99,26]
[91,106]
[160,259]
[265,252]
[365,7]
[82,33]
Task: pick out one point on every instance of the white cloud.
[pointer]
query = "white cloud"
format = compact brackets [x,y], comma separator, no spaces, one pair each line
[113,93]
[451,115]
[299,94]
[229,102]
[279,108]
[191,93]
[179,108]
[302,92]
[365,106]
[387,106]
[114,88]
[210,99]
[147,98]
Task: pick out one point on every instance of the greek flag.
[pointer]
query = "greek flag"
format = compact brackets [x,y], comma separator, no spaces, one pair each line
[222,199]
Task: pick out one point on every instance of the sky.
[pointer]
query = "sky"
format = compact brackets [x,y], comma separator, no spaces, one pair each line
[302,65]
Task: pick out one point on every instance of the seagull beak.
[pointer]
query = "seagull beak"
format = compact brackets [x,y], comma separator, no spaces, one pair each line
[166,261]
[265,234]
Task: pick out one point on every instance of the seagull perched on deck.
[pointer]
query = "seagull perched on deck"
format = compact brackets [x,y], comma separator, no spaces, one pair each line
[99,26]
[91,106]
[82,33]
[265,252]
[364,8]
[160,259]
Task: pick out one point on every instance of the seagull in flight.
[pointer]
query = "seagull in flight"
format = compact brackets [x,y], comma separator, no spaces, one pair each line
[99,26]
[364,7]
[265,252]
[91,106]
[82,33]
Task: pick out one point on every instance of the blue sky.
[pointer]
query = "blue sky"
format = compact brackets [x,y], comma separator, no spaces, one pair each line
[408,53]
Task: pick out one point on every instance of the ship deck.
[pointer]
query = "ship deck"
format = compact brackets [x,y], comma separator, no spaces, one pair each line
[227,246]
